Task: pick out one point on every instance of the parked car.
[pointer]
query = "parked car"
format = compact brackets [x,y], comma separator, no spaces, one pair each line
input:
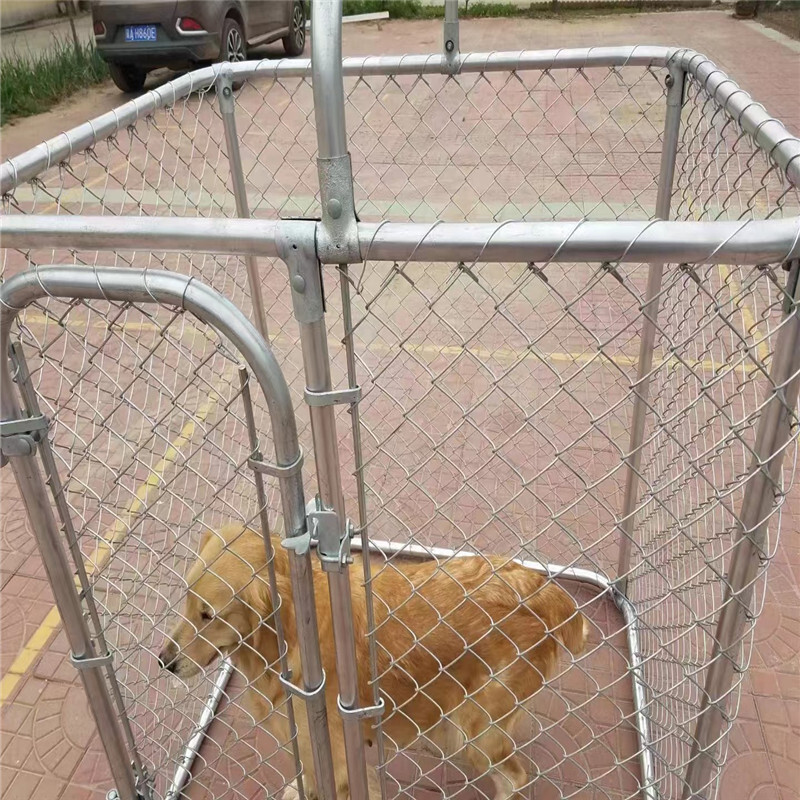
[137,37]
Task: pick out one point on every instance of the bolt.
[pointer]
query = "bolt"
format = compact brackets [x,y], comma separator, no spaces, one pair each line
[669,81]
[335,208]
[112,794]
[449,46]
[226,92]
[298,283]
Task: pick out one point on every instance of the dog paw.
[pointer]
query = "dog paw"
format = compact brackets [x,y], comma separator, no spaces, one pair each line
[290,793]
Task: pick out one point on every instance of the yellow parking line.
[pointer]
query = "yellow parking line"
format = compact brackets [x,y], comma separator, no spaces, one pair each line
[751,326]
[504,354]
[32,648]
[89,184]
[104,549]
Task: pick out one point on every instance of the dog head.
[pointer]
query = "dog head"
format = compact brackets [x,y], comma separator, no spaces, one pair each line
[226,603]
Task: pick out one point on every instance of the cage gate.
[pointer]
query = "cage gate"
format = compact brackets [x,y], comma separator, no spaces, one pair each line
[142,551]
[564,335]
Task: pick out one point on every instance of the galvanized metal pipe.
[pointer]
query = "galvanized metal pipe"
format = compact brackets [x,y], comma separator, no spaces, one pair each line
[239,185]
[183,772]
[54,557]
[771,135]
[676,81]
[307,299]
[738,242]
[326,69]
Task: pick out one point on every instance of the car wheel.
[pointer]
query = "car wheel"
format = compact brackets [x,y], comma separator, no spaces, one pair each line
[127,78]
[295,42]
[233,45]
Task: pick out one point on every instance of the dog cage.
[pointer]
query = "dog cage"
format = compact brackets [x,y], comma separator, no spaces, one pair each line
[557,322]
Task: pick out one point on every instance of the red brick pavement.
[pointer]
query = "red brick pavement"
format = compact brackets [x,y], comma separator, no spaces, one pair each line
[48,746]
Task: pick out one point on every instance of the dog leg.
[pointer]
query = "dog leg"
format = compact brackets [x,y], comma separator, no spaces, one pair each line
[490,747]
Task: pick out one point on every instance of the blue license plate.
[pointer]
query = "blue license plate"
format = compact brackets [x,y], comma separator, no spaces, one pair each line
[140,33]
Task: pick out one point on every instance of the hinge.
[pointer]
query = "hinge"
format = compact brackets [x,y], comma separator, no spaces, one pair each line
[18,437]
[255,463]
[333,398]
[90,662]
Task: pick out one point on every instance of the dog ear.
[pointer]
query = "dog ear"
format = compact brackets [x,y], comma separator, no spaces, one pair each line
[258,597]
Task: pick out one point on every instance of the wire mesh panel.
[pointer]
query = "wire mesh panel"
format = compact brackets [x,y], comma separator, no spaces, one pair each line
[495,420]
[499,145]
[721,172]
[719,325]
[173,161]
[149,434]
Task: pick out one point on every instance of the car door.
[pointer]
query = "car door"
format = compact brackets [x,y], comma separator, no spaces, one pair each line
[263,18]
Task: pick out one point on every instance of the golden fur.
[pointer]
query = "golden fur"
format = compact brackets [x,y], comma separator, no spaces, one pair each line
[477,626]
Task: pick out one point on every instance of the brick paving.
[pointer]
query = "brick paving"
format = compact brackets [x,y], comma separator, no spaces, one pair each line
[49,748]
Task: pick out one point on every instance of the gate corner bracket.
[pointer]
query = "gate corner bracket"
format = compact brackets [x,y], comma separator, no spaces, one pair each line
[337,240]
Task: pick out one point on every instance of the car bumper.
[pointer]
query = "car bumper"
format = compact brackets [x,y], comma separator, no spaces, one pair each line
[161,54]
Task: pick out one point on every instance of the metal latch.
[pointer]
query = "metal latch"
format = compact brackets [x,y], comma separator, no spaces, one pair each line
[18,437]
[333,544]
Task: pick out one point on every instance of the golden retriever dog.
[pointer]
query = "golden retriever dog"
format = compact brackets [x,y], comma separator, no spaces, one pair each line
[462,647]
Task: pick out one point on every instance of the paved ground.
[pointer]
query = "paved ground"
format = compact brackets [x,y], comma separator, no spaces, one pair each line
[38,36]
[49,748]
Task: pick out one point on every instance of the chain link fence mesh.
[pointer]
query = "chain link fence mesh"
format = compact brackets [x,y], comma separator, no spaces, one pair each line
[497,397]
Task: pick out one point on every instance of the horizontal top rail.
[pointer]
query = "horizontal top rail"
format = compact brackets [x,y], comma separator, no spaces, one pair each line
[769,133]
[169,288]
[738,242]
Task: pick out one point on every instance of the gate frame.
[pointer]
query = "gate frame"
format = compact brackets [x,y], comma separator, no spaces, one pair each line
[19,446]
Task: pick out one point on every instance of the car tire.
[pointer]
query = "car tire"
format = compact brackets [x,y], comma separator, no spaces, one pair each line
[295,41]
[233,45]
[126,77]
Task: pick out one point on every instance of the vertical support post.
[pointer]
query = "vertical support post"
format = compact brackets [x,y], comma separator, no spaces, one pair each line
[778,417]
[297,544]
[307,298]
[338,239]
[358,458]
[261,497]
[676,80]
[228,110]
[31,404]
[337,243]
[450,43]
[54,557]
